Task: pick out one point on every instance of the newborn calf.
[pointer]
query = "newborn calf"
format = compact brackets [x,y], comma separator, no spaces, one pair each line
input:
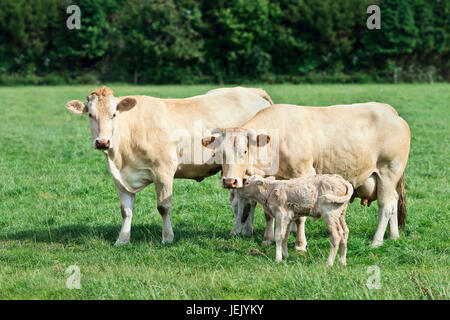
[316,196]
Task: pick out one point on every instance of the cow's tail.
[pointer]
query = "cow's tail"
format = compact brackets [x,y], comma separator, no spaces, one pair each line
[263,94]
[401,203]
[331,198]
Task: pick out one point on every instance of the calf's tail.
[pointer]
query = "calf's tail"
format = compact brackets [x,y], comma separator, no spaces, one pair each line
[331,198]
[401,203]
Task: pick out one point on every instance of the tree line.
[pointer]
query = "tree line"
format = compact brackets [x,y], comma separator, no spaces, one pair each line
[204,41]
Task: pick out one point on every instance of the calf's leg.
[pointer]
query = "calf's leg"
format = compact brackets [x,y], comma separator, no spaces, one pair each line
[268,233]
[286,226]
[280,234]
[300,242]
[333,227]
[344,238]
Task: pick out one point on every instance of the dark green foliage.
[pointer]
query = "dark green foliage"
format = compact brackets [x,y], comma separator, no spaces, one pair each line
[186,41]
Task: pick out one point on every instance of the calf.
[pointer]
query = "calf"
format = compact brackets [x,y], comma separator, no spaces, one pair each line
[315,196]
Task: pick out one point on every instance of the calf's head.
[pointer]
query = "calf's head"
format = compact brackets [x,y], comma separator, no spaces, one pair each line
[103,110]
[238,147]
[253,186]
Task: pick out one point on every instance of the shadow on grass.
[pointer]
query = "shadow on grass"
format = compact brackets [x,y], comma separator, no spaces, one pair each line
[79,233]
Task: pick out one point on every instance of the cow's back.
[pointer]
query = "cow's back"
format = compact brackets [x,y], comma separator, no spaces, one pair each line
[350,140]
[155,128]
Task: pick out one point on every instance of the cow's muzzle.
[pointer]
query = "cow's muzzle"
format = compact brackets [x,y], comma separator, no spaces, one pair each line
[102,144]
[229,183]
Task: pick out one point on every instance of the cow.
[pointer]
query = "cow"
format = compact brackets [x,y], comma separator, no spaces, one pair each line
[365,143]
[141,138]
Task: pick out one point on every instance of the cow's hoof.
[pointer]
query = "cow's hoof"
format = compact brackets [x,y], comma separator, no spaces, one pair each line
[121,243]
[235,232]
[247,232]
[267,243]
[376,243]
[167,239]
[394,236]
[301,248]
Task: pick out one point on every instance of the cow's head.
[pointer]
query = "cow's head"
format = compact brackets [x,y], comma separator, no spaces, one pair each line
[103,110]
[238,152]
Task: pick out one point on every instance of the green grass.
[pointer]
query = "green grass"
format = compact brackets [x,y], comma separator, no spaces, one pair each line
[59,207]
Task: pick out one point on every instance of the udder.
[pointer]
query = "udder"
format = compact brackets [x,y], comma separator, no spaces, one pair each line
[367,191]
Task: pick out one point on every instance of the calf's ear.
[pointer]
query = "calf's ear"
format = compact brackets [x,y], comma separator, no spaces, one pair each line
[262,140]
[76,106]
[126,104]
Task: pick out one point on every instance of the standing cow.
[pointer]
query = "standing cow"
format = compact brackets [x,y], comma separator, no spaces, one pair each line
[138,135]
[367,144]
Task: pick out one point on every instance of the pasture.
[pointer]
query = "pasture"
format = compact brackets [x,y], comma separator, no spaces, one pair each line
[59,207]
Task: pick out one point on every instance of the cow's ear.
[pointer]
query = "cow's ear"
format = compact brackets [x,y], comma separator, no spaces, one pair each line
[262,140]
[76,106]
[212,142]
[126,104]
[207,142]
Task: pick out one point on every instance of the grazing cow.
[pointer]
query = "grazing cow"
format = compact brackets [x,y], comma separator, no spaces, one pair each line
[323,195]
[367,144]
[141,138]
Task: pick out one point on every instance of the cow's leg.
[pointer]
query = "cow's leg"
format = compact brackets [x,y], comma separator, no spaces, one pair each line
[126,208]
[250,222]
[300,241]
[393,227]
[268,233]
[243,208]
[164,204]
[387,208]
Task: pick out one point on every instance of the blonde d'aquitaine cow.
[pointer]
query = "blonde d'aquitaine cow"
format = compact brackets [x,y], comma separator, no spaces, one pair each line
[141,138]
[365,143]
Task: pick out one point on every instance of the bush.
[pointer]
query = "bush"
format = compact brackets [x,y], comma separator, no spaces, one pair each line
[224,41]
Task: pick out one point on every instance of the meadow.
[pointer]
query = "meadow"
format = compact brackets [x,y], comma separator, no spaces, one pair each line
[59,207]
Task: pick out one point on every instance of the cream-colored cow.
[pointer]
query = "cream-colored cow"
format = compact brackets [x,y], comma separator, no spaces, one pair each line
[141,136]
[320,196]
[366,143]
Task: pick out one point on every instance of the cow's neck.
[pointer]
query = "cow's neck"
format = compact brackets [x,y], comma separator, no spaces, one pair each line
[114,155]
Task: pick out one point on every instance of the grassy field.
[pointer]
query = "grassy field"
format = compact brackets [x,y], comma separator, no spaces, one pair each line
[59,207]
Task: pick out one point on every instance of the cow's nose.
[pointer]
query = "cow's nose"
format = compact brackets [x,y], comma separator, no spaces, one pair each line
[229,183]
[102,144]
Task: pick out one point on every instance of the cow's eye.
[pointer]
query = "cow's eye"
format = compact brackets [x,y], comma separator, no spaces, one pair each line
[90,115]
[245,152]
[114,115]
